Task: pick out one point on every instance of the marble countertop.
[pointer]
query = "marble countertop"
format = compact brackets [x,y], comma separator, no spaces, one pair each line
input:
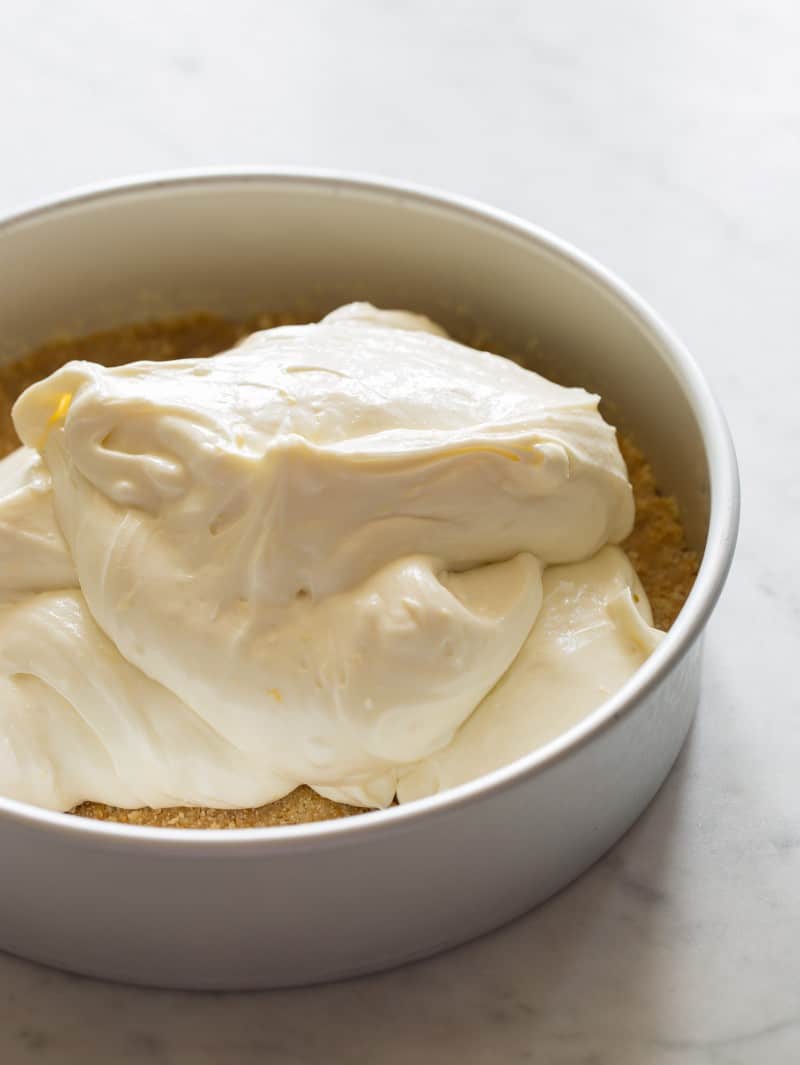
[665,140]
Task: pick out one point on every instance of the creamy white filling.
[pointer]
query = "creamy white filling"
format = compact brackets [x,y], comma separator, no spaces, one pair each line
[307,560]
[593,631]
[33,554]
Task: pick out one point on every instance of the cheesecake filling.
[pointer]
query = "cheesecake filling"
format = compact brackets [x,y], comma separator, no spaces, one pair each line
[355,555]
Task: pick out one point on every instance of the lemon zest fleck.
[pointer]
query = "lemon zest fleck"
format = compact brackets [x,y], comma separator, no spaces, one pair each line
[59,413]
[61,408]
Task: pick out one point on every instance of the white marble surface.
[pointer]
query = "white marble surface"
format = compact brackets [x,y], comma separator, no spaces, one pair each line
[665,140]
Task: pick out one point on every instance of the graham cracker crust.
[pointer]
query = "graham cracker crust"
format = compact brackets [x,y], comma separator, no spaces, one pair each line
[657,546]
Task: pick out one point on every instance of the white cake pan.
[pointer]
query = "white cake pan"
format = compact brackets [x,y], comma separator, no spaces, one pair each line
[282,906]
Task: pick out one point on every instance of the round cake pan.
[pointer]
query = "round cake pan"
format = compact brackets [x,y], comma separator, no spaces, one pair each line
[292,905]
